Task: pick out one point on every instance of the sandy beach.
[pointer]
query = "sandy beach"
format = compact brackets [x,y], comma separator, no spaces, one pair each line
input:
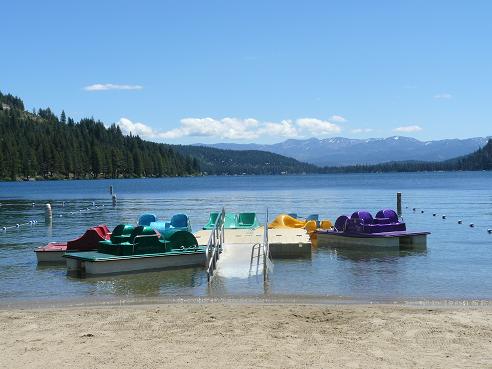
[225,335]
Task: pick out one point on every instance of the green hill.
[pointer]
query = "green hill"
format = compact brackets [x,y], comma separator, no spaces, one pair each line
[230,162]
[42,145]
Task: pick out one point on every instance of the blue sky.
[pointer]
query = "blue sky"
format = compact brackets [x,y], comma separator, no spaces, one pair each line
[256,71]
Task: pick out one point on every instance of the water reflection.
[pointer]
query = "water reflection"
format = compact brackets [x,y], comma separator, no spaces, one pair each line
[150,284]
[374,254]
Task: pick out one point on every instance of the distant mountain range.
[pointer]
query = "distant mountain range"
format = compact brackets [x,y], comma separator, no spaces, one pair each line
[340,151]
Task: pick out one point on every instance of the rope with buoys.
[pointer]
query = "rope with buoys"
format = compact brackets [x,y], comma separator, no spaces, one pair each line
[460,221]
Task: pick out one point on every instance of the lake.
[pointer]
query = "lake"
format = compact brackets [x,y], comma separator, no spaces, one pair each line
[456,265]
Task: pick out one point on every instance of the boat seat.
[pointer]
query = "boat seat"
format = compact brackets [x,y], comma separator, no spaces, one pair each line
[211,221]
[365,216]
[146,219]
[246,219]
[388,213]
[180,221]
[341,223]
[121,233]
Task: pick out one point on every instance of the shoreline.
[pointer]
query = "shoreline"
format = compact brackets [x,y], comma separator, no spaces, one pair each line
[96,302]
[224,335]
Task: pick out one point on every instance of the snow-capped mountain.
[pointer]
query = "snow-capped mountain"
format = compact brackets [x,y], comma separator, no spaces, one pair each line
[336,151]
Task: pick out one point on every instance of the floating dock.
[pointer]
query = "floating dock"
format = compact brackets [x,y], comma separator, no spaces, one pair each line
[283,242]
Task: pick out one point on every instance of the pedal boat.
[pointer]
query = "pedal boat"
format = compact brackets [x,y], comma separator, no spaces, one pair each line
[361,229]
[144,249]
[53,252]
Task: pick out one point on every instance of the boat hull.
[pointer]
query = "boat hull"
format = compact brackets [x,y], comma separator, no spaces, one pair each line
[51,253]
[82,266]
[52,257]
[401,240]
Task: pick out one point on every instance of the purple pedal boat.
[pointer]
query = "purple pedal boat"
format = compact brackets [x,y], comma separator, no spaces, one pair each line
[361,229]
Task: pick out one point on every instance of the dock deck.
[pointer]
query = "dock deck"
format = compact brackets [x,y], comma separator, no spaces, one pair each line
[284,242]
[238,260]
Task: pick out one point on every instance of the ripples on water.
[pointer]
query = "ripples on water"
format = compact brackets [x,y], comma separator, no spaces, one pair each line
[457,263]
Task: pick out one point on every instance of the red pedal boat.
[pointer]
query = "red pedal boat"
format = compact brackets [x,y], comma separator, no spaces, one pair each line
[53,252]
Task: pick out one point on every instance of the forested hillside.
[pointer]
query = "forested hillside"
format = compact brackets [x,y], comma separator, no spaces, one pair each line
[42,145]
[218,161]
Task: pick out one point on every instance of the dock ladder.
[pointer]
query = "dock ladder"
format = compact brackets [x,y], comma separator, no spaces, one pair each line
[214,246]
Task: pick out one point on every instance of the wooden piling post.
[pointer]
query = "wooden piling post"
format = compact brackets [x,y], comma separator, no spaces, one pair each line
[48,212]
[111,189]
[398,203]
[114,199]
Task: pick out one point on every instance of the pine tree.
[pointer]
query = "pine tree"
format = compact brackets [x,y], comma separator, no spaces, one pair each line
[63,118]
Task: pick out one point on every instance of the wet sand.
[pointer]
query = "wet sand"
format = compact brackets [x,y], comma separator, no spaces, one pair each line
[231,335]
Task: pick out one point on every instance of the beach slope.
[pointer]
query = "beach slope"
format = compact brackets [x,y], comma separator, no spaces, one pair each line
[216,335]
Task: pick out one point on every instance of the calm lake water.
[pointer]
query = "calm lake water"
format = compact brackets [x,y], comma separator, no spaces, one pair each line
[456,265]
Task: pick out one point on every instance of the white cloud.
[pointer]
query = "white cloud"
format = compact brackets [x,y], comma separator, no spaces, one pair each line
[317,126]
[286,128]
[443,96]
[111,86]
[408,129]
[228,128]
[362,130]
[140,129]
[338,118]
[233,128]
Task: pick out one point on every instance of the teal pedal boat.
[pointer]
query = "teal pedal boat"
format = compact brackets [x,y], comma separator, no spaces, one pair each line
[137,249]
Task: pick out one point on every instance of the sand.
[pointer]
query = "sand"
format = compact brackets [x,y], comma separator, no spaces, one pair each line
[229,335]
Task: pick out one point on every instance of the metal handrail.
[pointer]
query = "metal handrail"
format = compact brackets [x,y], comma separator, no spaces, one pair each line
[267,260]
[214,245]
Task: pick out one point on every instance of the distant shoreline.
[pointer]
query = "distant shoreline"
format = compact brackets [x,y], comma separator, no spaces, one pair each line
[234,175]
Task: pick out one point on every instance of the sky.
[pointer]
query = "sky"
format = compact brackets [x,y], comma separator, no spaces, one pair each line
[255,71]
